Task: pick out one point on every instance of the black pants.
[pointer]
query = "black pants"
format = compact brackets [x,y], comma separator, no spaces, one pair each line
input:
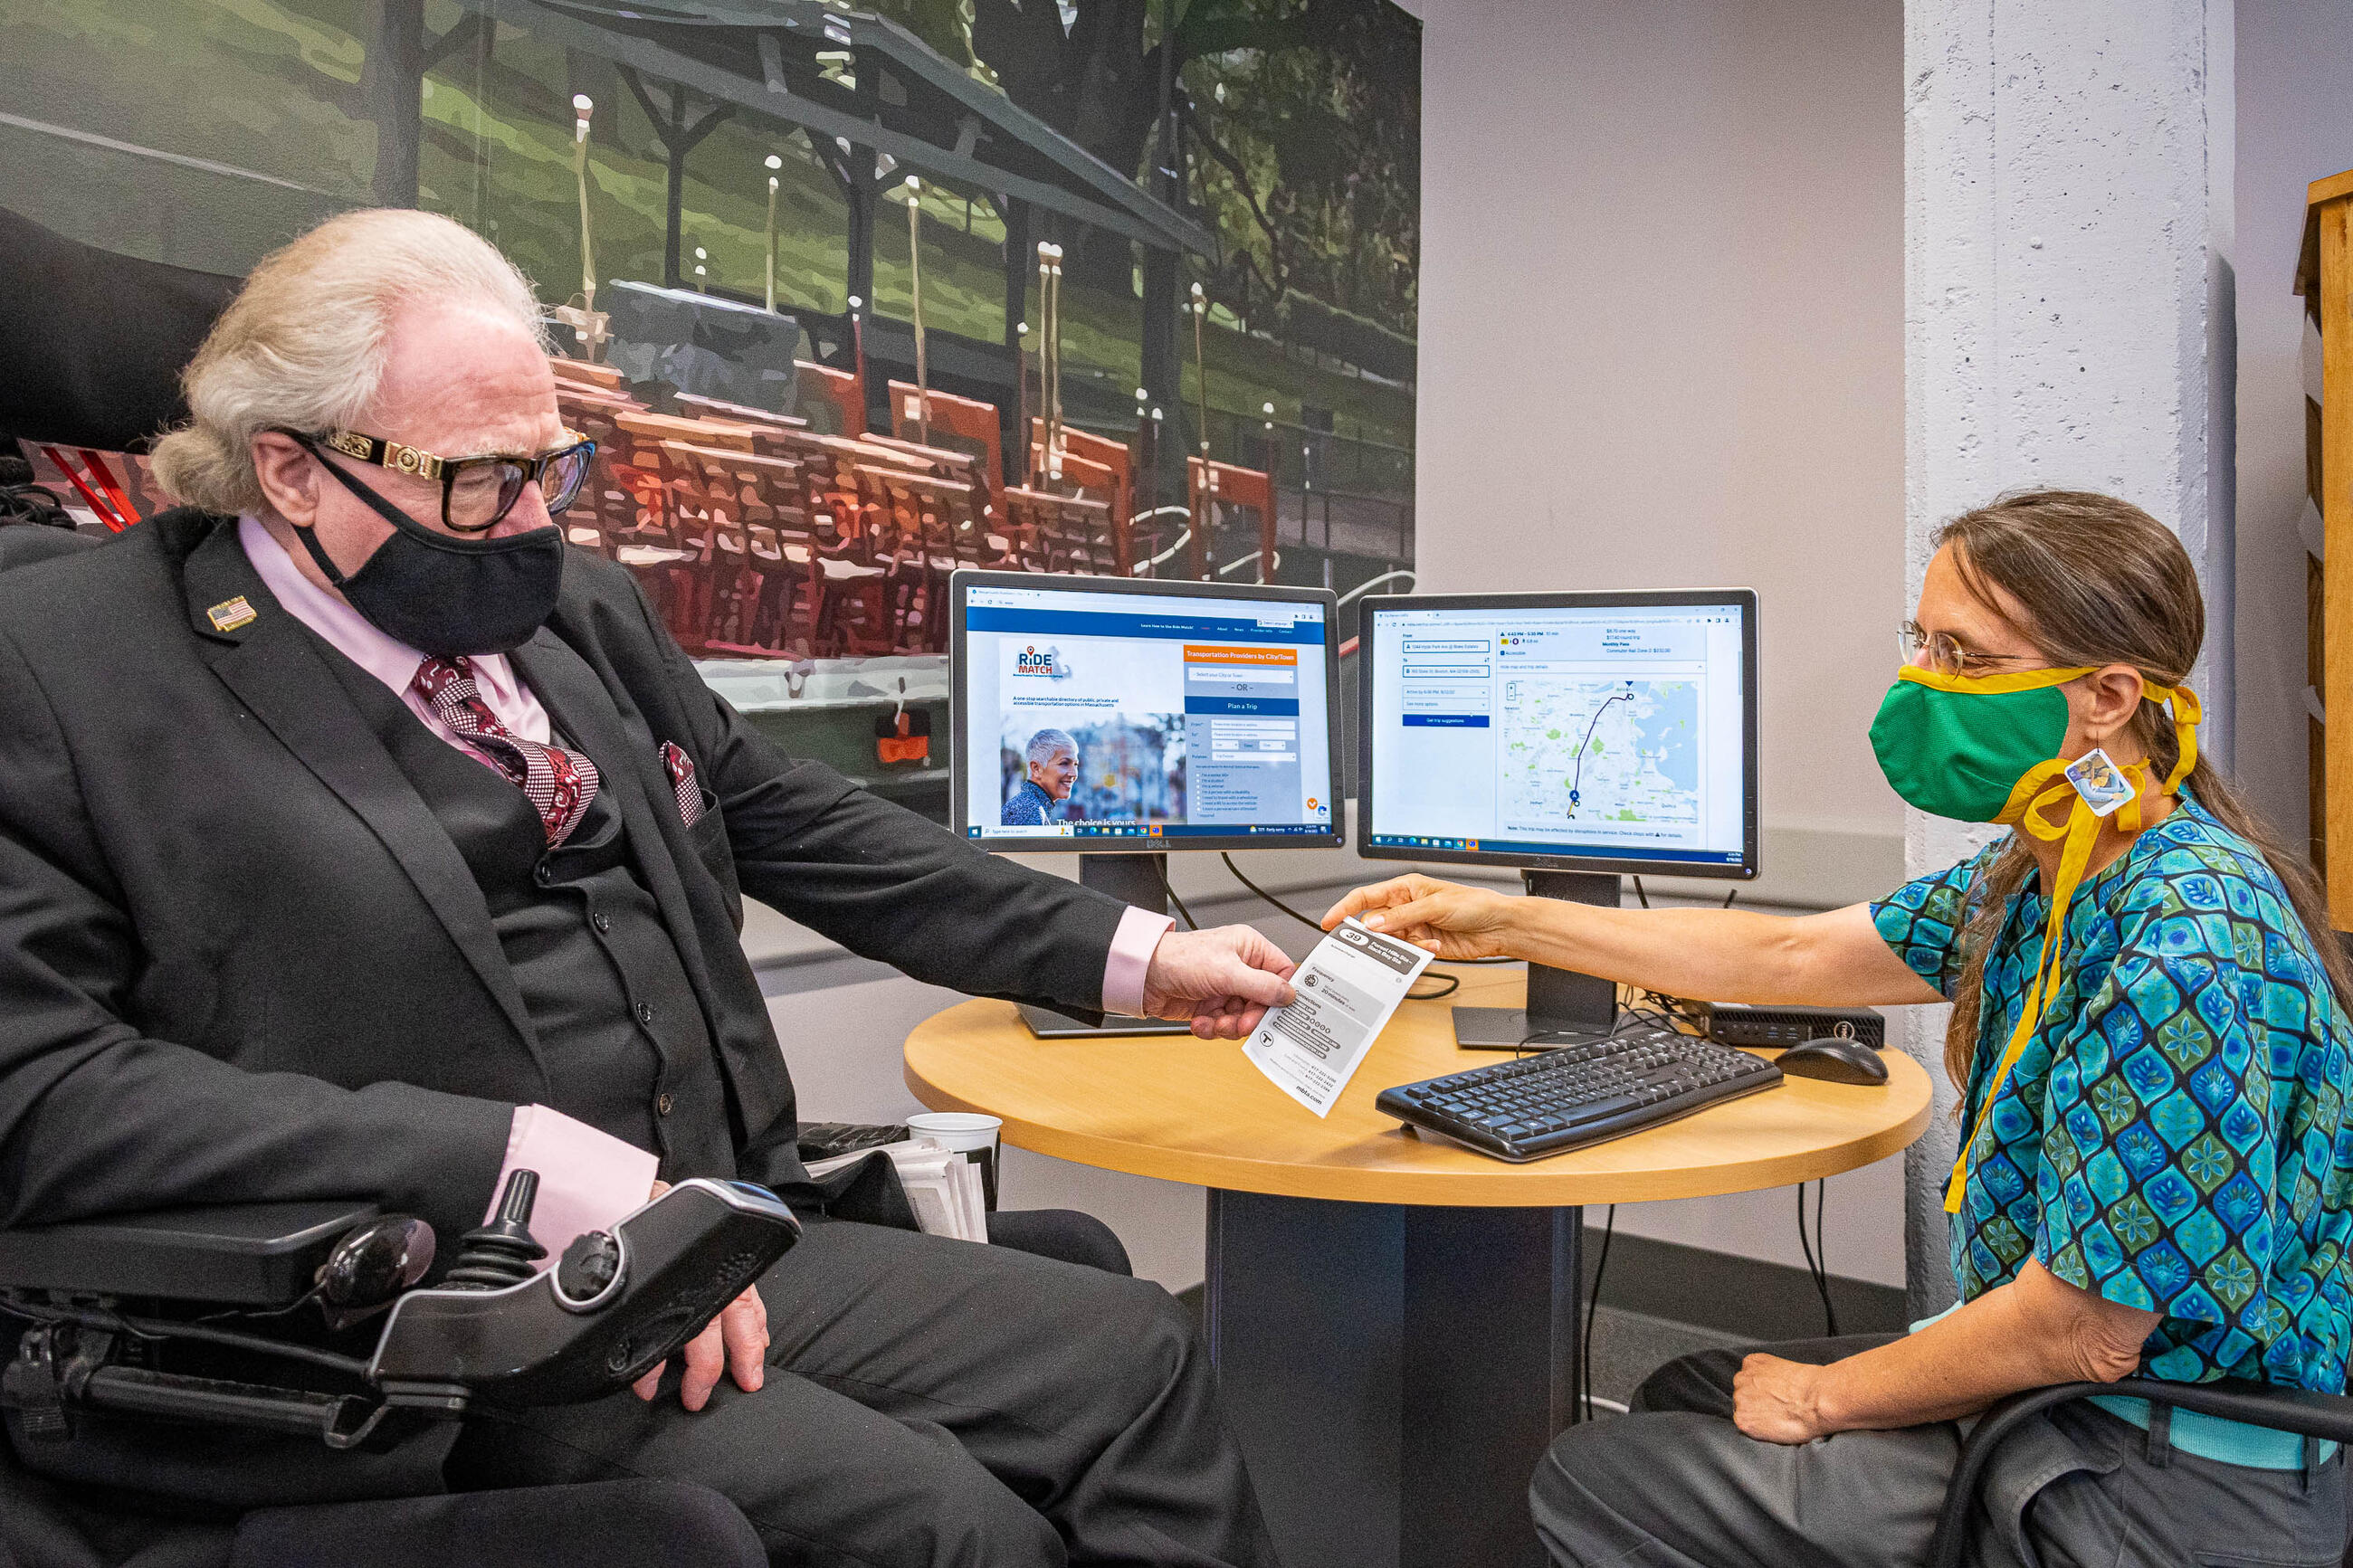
[931,1402]
[1677,1485]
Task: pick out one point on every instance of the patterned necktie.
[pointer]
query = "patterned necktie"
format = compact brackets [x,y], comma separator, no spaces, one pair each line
[558,784]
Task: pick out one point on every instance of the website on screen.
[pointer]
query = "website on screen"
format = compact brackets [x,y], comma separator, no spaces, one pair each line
[1093,714]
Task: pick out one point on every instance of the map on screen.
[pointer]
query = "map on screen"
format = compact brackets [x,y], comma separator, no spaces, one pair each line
[1616,731]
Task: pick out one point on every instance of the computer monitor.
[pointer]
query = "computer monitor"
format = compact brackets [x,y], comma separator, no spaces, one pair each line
[1575,736]
[1122,719]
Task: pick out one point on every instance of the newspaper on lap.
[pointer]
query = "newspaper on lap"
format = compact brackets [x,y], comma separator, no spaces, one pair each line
[1347,988]
[943,1186]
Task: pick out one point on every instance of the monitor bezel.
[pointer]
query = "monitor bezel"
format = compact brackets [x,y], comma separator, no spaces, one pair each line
[1368,621]
[962,581]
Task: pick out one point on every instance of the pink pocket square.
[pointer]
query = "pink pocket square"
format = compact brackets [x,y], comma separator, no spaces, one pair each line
[681,768]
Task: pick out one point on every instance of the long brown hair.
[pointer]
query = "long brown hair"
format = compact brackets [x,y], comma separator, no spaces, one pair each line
[2102,582]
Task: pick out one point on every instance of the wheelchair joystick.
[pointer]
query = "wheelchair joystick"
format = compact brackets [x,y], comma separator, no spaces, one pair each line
[502,1253]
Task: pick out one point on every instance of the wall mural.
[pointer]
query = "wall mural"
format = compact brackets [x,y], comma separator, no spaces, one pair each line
[849,297]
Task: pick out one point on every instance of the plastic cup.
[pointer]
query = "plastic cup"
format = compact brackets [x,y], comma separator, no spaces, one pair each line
[967,1132]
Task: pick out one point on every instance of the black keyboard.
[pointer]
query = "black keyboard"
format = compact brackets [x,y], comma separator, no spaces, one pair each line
[1594,1089]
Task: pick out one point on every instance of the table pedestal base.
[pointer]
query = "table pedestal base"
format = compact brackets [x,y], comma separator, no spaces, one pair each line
[1393,1372]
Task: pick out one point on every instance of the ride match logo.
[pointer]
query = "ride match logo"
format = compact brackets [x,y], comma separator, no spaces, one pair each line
[1042,664]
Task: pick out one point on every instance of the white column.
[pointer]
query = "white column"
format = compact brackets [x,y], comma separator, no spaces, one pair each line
[2067,322]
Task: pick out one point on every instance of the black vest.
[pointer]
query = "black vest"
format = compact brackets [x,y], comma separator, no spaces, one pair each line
[621,1039]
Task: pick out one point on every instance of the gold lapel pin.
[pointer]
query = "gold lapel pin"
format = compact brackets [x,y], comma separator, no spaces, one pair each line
[231,614]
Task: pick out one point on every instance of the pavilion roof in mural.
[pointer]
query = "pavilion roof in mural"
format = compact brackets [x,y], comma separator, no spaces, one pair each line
[909,102]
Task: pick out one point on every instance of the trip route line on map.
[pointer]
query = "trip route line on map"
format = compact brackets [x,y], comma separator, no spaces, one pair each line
[1577,780]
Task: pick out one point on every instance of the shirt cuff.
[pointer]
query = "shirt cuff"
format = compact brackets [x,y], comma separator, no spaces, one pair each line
[1139,932]
[588,1180]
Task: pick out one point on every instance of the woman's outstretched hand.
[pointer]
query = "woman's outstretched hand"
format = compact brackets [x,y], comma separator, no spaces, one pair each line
[1452,921]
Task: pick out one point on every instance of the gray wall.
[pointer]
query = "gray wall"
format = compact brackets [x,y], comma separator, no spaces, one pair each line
[1661,333]
[1662,344]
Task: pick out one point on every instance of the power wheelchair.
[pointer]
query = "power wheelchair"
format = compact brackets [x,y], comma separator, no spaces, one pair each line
[276,1384]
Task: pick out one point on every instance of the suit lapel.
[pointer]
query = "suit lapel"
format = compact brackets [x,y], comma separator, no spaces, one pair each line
[277,670]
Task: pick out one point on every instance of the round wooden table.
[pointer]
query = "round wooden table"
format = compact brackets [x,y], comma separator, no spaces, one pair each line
[1393,1317]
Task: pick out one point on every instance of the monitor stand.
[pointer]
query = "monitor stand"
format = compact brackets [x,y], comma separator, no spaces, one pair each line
[1563,1006]
[1132,879]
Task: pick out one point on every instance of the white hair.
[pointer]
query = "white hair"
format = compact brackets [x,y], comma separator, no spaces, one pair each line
[1046,742]
[305,344]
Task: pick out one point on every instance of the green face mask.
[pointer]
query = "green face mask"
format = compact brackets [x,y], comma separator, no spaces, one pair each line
[1986,748]
[1958,745]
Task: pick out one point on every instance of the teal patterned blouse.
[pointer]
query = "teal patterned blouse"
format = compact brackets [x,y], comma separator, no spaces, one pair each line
[2173,1136]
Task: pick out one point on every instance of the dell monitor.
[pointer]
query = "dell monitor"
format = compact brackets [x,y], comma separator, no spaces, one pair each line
[1120,719]
[1575,737]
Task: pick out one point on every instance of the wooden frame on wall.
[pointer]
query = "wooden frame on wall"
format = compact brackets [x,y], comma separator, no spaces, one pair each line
[2324,276]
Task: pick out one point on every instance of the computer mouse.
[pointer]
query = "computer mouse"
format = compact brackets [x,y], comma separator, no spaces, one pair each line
[1833,1059]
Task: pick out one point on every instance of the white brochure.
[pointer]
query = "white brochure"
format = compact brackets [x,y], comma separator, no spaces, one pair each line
[1347,988]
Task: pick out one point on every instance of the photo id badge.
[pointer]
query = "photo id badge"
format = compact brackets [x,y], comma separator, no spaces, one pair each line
[2102,783]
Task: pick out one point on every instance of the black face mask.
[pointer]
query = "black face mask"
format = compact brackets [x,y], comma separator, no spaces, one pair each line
[441,595]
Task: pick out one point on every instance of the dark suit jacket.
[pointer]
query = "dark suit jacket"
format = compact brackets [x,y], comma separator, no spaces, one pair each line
[240,959]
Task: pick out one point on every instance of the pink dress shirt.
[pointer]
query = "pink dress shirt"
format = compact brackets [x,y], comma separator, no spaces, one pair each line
[588,1180]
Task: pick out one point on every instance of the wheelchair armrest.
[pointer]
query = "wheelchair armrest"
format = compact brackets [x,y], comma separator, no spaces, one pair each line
[2297,1410]
[496,1330]
[250,1254]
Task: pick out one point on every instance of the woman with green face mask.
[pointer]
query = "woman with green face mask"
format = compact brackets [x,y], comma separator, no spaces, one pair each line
[2151,1040]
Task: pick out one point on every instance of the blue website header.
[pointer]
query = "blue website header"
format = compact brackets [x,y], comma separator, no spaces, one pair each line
[1165,830]
[1158,624]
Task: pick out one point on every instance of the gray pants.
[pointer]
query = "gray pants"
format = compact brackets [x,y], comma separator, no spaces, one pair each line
[1676,1485]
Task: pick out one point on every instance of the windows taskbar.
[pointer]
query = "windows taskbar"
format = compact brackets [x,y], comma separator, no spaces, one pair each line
[1508,848]
[1152,830]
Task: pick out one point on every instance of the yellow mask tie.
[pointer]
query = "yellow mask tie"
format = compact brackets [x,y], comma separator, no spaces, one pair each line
[2042,786]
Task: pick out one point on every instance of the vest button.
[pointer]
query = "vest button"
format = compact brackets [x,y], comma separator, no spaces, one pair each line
[543,874]
[602,921]
[645,1011]
[661,1106]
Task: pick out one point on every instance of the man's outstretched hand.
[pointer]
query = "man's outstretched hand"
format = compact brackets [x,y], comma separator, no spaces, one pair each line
[1224,980]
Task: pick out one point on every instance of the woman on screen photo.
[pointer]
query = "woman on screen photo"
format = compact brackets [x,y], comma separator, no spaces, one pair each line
[1051,765]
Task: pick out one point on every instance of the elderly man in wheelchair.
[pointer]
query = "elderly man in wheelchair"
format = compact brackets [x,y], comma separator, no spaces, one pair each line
[360,839]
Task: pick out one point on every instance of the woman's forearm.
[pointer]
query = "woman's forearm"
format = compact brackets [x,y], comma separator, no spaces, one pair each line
[1949,1369]
[1726,956]
[2030,1334]
[1682,952]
